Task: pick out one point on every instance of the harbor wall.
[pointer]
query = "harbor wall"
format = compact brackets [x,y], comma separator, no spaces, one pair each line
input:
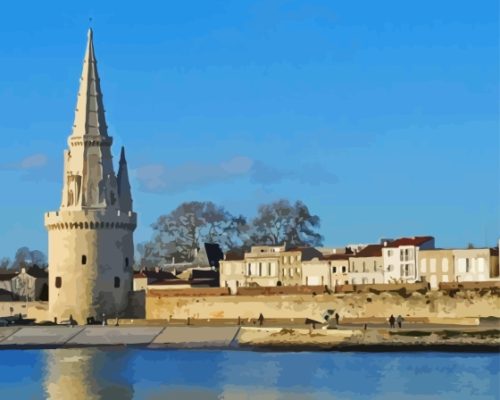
[354,305]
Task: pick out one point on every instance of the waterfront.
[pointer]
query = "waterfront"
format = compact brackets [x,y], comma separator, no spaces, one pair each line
[121,373]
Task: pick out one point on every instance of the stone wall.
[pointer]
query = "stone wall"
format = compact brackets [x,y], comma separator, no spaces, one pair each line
[355,305]
[33,309]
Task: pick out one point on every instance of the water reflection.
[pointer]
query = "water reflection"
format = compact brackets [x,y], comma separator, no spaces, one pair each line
[79,374]
[159,374]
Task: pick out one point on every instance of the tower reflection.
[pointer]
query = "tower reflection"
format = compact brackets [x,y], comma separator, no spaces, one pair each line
[79,374]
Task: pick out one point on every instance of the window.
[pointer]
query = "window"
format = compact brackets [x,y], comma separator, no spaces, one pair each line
[58,282]
[444,265]
[84,259]
[344,269]
[467,265]
[423,266]
[117,282]
[374,266]
[260,269]
[269,269]
[389,253]
[432,265]
[334,270]
[364,266]
[126,261]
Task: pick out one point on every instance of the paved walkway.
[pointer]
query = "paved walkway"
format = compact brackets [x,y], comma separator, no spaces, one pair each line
[65,336]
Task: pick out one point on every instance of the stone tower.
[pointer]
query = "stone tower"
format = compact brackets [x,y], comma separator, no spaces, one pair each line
[91,248]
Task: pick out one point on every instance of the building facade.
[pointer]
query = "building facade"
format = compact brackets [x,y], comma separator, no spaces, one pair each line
[400,258]
[474,265]
[30,284]
[436,266]
[367,266]
[91,247]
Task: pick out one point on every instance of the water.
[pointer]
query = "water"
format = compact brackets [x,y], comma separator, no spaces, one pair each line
[195,374]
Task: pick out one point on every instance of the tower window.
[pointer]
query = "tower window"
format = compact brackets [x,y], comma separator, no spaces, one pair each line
[117,282]
[84,259]
[126,261]
[58,282]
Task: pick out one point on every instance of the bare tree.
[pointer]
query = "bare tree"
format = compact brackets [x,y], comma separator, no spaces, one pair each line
[182,232]
[281,222]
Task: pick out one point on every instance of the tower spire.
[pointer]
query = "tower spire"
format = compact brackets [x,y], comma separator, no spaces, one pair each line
[124,191]
[89,113]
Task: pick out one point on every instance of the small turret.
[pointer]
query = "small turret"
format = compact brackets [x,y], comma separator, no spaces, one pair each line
[124,191]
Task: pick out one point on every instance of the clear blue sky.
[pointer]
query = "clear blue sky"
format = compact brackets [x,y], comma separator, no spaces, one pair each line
[383,117]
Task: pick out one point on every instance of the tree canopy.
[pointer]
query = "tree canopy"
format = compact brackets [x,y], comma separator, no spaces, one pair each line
[181,233]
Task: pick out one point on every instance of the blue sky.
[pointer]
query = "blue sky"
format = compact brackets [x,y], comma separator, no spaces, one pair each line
[383,117]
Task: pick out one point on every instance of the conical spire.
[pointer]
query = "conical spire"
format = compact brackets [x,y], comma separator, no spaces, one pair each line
[124,191]
[89,114]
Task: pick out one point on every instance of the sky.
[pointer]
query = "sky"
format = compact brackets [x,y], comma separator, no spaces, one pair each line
[383,117]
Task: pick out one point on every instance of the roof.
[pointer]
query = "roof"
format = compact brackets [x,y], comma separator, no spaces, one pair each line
[337,256]
[173,282]
[372,250]
[234,256]
[204,273]
[4,292]
[308,253]
[37,272]
[154,275]
[8,276]
[89,114]
[413,241]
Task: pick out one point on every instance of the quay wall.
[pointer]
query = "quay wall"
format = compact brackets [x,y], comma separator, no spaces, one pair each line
[353,305]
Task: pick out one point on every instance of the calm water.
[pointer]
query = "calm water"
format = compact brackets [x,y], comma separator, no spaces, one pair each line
[177,374]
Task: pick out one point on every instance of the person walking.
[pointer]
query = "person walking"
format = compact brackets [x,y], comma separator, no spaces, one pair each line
[261,319]
[337,317]
[392,321]
[400,320]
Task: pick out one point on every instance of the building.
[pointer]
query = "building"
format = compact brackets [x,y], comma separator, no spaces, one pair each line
[232,271]
[330,270]
[367,265]
[473,265]
[145,277]
[6,280]
[91,248]
[400,258]
[436,266]
[265,266]
[30,284]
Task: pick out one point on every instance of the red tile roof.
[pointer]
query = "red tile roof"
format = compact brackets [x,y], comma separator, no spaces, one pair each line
[372,250]
[413,241]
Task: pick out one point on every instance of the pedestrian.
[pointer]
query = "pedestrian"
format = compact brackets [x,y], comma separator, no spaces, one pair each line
[400,320]
[261,319]
[392,320]
[337,317]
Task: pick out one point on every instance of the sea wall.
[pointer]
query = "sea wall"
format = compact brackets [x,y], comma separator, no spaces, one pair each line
[33,309]
[354,305]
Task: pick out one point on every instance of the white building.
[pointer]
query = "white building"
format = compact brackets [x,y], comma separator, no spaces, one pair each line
[400,258]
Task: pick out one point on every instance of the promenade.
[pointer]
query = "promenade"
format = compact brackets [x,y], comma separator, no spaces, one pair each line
[486,334]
